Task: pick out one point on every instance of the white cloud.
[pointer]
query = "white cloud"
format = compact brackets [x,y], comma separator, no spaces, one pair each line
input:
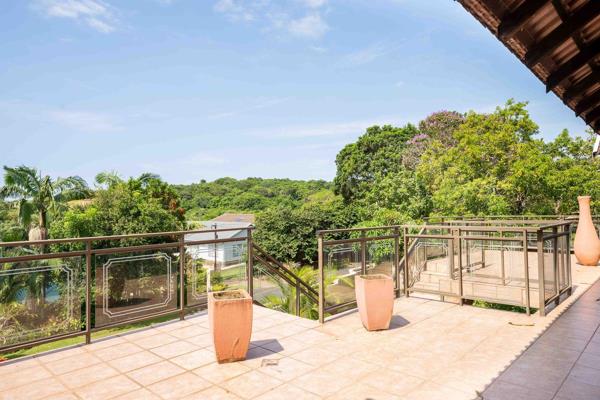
[315,3]
[318,49]
[310,26]
[399,84]
[253,105]
[234,10]
[84,120]
[353,128]
[367,55]
[96,14]
[278,15]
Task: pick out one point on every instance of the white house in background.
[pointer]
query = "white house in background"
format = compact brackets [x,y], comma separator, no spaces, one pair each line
[222,254]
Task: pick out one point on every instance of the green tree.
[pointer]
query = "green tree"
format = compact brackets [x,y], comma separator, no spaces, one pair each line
[376,153]
[288,233]
[493,169]
[38,195]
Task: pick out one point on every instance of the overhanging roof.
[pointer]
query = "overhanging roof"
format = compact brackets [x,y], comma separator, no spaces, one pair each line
[558,40]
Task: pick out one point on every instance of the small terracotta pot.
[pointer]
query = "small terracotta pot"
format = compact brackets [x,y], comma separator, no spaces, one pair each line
[230,318]
[375,300]
[587,243]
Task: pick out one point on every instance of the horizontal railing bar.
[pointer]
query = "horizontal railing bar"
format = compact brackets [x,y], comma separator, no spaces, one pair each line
[215,241]
[118,237]
[555,236]
[429,291]
[474,228]
[359,239]
[370,228]
[341,305]
[35,257]
[493,239]
[129,249]
[425,236]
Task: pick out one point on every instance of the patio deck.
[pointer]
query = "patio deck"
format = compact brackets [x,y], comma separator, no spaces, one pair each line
[434,351]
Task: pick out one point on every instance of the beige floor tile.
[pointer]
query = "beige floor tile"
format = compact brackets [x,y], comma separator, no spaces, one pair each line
[117,351]
[250,384]
[213,393]
[62,353]
[19,364]
[285,369]
[35,390]
[217,373]
[72,363]
[361,392]
[433,391]
[288,391]
[140,394]
[391,381]
[179,386]
[174,349]
[160,339]
[108,388]
[18,378]
[256,355]
[322,382]
[285,346]
[194,359]
[315,356]
[102,343]
[135,361]
[188,331]
[202,340]
[155,372]
[85,376]
[60,396]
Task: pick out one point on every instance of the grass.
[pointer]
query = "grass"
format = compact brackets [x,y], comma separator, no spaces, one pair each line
[503,307]
[81,339]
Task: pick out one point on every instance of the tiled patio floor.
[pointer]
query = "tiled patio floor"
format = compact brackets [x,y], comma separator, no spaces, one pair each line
[433,351]
[566,359]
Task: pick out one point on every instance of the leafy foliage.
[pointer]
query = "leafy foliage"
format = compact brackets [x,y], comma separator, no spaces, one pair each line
[375,154]
[206,200]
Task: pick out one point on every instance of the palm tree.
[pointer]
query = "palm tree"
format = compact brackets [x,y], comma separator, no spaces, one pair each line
[38,195]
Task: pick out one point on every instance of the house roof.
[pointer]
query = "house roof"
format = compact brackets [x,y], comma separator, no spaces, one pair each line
[558,40]
[236,229]
[231,217]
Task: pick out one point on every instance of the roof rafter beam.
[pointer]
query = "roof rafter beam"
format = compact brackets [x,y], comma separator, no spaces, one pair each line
[587,103]
[587,54]
[593,115]
[573,25]
[582,86]
[512,22]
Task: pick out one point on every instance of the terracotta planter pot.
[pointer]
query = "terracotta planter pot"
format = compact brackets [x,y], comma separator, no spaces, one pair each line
[587,243]
[230,318]
[375,300]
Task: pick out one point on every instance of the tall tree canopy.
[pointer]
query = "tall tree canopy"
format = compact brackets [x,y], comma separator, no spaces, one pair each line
[36,196]
[138,205]
[375,154]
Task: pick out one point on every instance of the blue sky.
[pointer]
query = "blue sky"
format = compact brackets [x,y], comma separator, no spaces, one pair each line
[194,89]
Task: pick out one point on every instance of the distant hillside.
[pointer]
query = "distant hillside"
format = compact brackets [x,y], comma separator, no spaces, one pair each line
[207,200]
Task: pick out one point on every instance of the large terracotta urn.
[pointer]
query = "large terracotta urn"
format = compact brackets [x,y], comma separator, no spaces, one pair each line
[375,300]
[587,243]
[230,319]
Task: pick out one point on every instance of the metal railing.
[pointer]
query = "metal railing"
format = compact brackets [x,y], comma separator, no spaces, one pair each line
[63,288]
[523,263]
